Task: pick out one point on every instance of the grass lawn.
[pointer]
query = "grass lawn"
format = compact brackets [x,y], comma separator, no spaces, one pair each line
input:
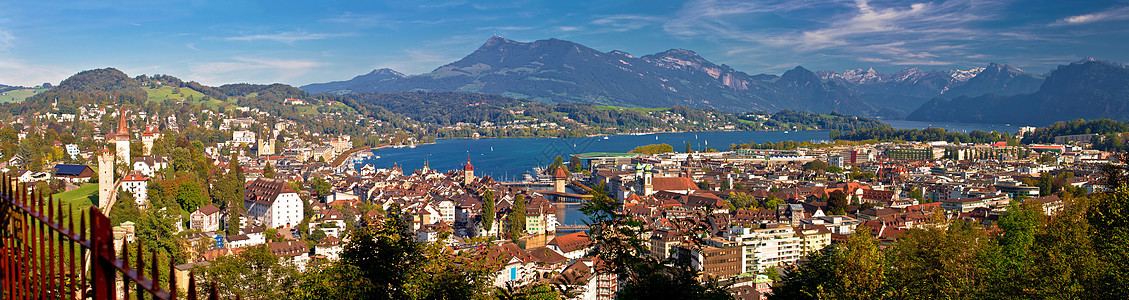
[81,198]
[18,95]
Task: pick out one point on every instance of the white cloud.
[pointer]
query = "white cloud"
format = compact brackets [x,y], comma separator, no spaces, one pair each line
[6,40]
[15,72]
[1116,13]
[925,33]
[568,28]
[418,61]
[287,37]
[621,23]
[246,69]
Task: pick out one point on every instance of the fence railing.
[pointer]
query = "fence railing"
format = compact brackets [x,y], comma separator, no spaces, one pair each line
[44,256]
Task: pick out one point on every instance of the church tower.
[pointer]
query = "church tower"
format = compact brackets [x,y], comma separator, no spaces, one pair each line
[648,184]
[105,178]
[121,138]
[468,172]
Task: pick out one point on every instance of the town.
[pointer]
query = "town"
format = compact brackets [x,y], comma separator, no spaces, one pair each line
[252,183]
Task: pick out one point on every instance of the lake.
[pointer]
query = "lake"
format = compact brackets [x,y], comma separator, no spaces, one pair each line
[961,127]
[506,159]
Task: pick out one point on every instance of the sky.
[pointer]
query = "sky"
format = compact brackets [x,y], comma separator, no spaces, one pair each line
[302,42]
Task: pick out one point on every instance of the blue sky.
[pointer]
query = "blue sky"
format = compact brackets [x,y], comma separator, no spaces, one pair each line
[301,42]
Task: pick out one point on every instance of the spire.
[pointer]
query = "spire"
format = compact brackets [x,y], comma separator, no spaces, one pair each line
[122,128]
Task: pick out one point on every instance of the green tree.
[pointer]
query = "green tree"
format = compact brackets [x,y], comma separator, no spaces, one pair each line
[742,201]
[383,261]
[516,218]
[837,203]
[938,262]
[488,210]
[619,240]
[190,196]
[1010,258]
[852,270]
[574,163]
[654,149]
[125,209]
[268,171]
[255,273]
[320,187]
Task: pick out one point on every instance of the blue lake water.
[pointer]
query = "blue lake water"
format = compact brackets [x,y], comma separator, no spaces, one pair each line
[507,159]
[961,127]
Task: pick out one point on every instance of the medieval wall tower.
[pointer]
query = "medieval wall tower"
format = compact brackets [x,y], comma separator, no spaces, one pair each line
[105,178]
[121,138]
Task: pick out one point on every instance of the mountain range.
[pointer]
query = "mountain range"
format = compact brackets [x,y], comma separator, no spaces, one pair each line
[1088,89]
[555,70]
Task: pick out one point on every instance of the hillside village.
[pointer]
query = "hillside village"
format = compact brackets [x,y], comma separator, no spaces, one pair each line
[742,216]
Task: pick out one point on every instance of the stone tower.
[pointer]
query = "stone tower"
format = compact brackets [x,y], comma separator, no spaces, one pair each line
[468,172]
[560,178]
[150,135]
[105,178]
[121,138]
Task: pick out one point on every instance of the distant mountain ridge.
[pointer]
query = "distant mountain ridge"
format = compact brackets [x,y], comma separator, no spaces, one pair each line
[1088,89]
[561,71]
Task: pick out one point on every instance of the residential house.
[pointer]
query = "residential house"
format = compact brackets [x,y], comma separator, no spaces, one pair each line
[272,203]
[205,219]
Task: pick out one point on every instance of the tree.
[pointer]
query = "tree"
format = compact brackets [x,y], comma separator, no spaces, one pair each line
[320,187]
[619,240]
[574,163]
[1109,221]
[383,261]
[853,270]
[190,196]
[688,148]
[837,203]
[516,217]
[654,149]
[815,165]
[742,201]
[255,273]
[488,210]
[268,171]
[938,262]
[125,209]
[1009,257]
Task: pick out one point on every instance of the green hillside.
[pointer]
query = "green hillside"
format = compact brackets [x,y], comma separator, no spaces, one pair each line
[18,95]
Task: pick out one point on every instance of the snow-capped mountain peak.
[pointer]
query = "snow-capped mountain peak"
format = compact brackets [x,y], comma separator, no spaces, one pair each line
[964,75]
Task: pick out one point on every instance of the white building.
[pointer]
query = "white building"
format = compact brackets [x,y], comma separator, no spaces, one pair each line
[243,136]
[272,203]
[772,245]
[138,185]
[205,219]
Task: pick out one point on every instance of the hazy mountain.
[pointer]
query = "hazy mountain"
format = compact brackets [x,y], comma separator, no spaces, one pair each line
[361,82]
[561,71]
[1088,89]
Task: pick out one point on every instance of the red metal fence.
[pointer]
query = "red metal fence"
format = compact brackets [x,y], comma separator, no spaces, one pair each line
[43,256]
